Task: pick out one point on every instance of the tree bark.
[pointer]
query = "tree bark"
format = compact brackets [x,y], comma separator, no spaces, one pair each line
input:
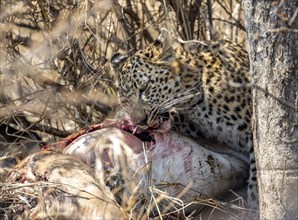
[273,48]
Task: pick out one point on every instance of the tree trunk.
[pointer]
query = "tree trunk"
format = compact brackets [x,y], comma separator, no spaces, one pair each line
[272,28]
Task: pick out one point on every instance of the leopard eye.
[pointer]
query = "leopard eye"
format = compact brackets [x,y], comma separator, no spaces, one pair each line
[123,100]
[142,90]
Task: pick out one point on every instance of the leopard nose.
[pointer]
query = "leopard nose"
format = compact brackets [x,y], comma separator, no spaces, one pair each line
[153,123]
[147,123]
[142,121]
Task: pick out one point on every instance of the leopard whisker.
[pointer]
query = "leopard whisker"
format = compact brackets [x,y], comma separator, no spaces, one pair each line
[188,94]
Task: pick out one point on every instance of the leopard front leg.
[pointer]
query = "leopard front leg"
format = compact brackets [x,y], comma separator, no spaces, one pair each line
[252,191]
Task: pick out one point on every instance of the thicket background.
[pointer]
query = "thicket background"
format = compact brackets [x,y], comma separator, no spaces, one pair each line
[54,58]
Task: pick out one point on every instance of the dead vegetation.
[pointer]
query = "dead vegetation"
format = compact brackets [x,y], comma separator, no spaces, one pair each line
[55,74]
[54,59]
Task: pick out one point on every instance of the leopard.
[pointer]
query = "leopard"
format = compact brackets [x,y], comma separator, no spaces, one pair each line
[200,88]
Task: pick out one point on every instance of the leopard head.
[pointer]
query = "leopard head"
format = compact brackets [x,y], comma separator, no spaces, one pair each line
[148,81]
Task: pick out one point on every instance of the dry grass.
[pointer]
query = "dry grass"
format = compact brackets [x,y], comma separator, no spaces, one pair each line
[54,59]
[54,69]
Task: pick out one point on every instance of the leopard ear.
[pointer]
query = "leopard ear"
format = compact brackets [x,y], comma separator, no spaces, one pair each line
[164,40]
[163,37]
[165,44]
[117,60]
